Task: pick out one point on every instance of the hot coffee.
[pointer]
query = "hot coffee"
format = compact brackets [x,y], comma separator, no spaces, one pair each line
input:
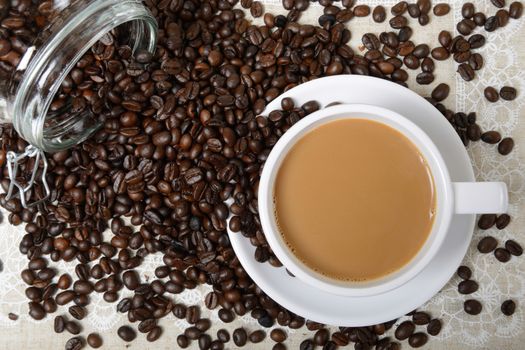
[354,199]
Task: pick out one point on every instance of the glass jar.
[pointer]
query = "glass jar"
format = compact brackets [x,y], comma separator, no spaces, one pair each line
[41,41]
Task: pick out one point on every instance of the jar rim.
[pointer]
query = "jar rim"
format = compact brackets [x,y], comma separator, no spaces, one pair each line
[45,73]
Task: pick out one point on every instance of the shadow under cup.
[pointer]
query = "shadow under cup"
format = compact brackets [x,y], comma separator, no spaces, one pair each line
[442,187]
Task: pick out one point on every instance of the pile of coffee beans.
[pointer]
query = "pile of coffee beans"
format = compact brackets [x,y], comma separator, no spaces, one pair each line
[181,150]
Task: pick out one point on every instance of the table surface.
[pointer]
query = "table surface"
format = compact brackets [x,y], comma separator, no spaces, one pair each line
[503,54]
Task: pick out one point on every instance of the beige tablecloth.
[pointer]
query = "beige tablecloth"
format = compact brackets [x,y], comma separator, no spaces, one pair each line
[503,55]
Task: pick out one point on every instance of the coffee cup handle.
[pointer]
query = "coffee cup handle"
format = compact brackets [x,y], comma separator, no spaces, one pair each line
[480,197]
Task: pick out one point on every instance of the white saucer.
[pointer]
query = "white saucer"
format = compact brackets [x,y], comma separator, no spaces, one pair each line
[320,306]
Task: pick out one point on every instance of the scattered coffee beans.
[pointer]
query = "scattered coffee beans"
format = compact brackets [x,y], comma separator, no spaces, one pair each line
[182,135]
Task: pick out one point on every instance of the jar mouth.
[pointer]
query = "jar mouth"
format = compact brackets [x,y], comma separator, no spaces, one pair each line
[47,69]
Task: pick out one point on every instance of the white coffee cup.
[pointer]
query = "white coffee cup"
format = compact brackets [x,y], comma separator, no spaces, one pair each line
[452,198]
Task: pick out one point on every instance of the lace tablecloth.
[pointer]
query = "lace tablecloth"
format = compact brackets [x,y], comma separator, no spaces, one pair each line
[503,54]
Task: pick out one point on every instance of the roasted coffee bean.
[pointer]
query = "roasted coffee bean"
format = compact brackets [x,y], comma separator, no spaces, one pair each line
[466,72]
[77,312]
[399,8]
[516,10]
[476,61]
[423,19]
[440,53]
[240,337]
[131,280]
[479,18]
[361,10]
[502,18]
[502,254]
[472,307]
[427,65]
[193,314]
[370,41]
[36,311]
[182,341]
[417,340]
[445,39]
[404,330]
[421,51]
[398,22]
[179,311]
[508,307]
[498,3]
[204,341]
[192,333]
[507,93]
[434,327]
[330,345]
[513,247]
[491,137]
[466,26]
[64,282]
[256,10]
[424,78]
[223,335]
[203,324]
[306,344]
[218,345]
[491,24]
[278,335]
[321,337]
[487,244]
[59,324]
[226,315]
[147,325]
[124,305]
[421,318]
[339,339]
[440,92]
[404,34]
[75,343]
[379,14]
[65,297]
[476,41]
[94,340]
[72,327]
[441,9]
[257,336]
[505,146]
[473,132]
[468,10]
[491,94]
[467,287]
[126,333]
[502,221]
[464,272]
